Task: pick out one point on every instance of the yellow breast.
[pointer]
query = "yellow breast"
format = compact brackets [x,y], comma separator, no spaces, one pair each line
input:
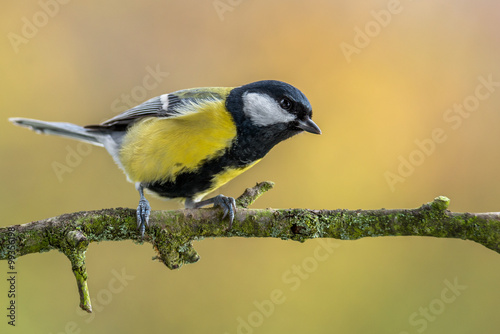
[158,149]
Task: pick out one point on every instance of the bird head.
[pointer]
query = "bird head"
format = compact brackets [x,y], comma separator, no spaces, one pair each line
[272,104]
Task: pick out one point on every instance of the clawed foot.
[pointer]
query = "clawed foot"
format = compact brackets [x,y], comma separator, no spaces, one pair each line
[227,204]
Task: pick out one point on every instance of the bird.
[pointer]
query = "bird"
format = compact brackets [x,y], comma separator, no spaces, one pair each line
[186,144]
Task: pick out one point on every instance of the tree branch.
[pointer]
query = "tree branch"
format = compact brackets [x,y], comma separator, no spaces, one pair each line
[171,232]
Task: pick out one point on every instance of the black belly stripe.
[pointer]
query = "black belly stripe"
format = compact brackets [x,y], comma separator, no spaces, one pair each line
[191,184]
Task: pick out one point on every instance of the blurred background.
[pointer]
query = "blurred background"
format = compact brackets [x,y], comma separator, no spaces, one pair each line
[407,94]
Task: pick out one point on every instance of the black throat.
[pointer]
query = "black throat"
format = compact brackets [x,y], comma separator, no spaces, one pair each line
[253,142]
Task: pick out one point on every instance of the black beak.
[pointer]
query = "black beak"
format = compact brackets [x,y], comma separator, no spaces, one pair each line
[309,126]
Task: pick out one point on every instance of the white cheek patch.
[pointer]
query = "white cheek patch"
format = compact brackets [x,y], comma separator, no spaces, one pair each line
[164,101]
[263,110]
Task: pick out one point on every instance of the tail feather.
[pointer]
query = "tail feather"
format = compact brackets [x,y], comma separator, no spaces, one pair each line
[60,129]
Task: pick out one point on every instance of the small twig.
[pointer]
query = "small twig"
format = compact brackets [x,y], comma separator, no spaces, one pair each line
[78,245]
[250,195]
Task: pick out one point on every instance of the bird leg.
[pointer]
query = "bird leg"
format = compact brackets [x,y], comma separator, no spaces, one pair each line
[143,211]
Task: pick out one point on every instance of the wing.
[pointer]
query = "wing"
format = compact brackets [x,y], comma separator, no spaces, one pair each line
[174,104]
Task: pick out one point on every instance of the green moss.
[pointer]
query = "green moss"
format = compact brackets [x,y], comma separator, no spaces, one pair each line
[174,247]
[253,225]
[252,194]
[440,203]
[302,225]
[172,232]
[119,225]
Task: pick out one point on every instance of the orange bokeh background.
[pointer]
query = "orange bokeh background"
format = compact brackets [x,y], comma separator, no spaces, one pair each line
[381,77]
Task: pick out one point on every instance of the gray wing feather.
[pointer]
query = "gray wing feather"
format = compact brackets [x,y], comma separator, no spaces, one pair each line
[152,107]
[168,105]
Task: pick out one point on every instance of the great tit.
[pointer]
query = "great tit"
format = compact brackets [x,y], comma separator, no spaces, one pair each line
[185,144]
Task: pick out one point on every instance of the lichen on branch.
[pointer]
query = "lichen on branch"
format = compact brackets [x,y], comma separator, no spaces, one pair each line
[171,232]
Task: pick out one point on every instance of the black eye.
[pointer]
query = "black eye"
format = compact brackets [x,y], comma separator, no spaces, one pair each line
[286,104]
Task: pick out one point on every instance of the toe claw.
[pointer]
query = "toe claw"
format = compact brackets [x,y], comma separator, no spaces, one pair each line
[228,205]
